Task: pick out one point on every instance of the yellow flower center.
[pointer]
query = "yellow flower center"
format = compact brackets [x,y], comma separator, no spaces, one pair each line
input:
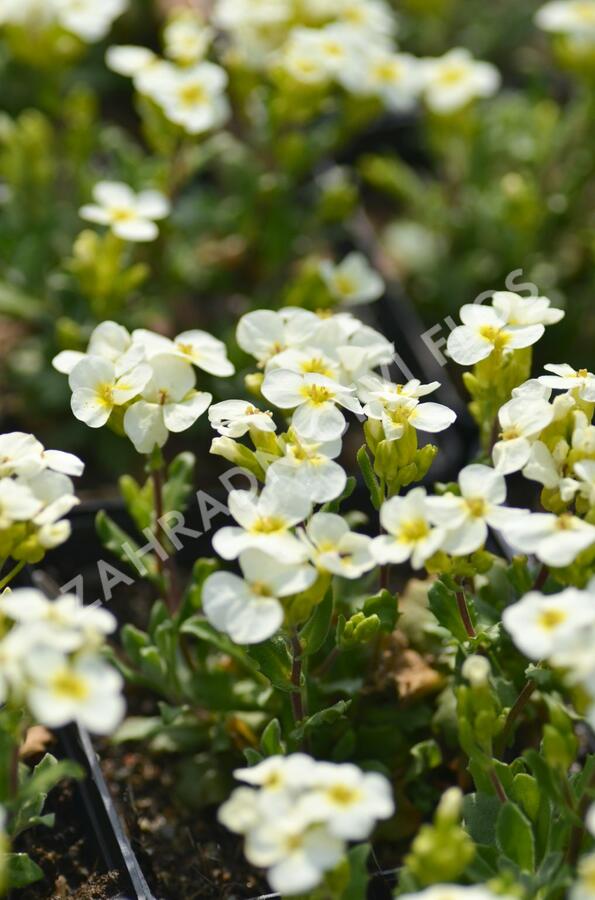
[388,71]
[191,94]
[452,74]
[413,530]
[582,373]
[260,589]
[105,394]
[343,283]
[564,522]
[317,366]
[477,507]
[186,349]
[317,394]
[495,336]
[267,525]
[120,214]
[586,12]
[510,433]
[551,618]
[69,685]
[162,396]
[343,795]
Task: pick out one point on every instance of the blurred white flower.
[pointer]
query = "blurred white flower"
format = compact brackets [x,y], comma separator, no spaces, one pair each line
[476,669]
[264,333]
[23,454]
[483,331]
[564,377]
[582,484]
[130,216]
[17,503]
[575,18]
[455,79]
[193,97]
[582,888]
[466,517]
[186,37]
[248,608]
[518,310]
[315,401]
[333,547]
[88,19]
[265,523]
[168,402]
[353,280]
[395,78]
[411,532]
[129,59]
[555,540]
[539,623]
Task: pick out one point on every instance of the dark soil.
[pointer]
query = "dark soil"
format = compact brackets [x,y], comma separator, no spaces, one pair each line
[67,856]
[183,854]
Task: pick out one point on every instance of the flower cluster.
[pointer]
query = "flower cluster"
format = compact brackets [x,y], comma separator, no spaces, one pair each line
[573,18]
[559,629]
[36,493]
[86,19]
[297,816]
[52,664]
[142,383]
[130,216]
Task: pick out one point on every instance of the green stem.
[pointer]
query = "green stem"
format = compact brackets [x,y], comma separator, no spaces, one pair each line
[12,574]
[515,711]
[464,613]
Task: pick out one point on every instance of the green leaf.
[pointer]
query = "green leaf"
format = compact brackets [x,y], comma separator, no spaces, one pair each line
[137,728]
[480,812]
[138,500]
[384,605]
[372,483]
[193,597]
[19,305]
[443,603]
[271,742]
[179,484]
[327,716]
[198,627]
[133,641]
[514,836]
[358,873]
[316,629]
[21,870]
[48,773]
[274,661]
[113,539]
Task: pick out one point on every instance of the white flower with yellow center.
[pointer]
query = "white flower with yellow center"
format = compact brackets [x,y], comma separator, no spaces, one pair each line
[484,331]
[564,377]
[234,418]
[353,280]
[306,361]
[539,623]
[129,59]
[64,623]
[193,97]
[455,892]
[17,503]
[130,216]
[197,347]
[333,547]
[466,517]
[315,400]
[555,540]
[265,523]
[278,774]
[372,387]
[88,19]
[401,411]
[96,389]
[248,608]
[521,420]
[55,492]
[168,402]
[582,483]
[374,16]
[85,690]
[308,467]
[518,310]
[575,18]
[265,333]
[22,454]
[347,800]
[186,37]
[108,340]
[395,78]
[411,533]
[455,79]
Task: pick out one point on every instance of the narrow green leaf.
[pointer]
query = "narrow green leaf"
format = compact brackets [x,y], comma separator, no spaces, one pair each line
[316,629]
[514,837]
[372,483]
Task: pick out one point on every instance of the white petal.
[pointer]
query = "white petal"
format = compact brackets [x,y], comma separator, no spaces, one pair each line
[135,230]
[180,416]
[143,423]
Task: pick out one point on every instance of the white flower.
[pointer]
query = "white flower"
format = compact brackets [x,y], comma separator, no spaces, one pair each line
[130,216]
[564,377]
[522,420]
[372,387]
[315,55]
[518,310]
[539,623]
[353,280]
[315,400]
[590,819]
[583,484]
[466,517]
[108,340]
[542,466]
[55,492]
[455,892]
[169,402]
[278,774]
[296,857]
[264,333]
[476,669]
[395,78]
[23,454]
[241,813]
[186,37]
[306,360]
[555,540]
[374,16]
[234,418]
[194,97]
[573,17]
[248,608]
[410,530]
[88,19]
[483,331]
[333,547]
[347,800]
[582,888]
[129,59]
[86,690]
[17,503]
[96,390]
[455,79]
[403,411]
[308,468]
[197,347]
[64,623]
[265,524]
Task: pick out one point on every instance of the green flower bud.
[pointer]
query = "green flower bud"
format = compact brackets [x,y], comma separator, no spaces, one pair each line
[237,454]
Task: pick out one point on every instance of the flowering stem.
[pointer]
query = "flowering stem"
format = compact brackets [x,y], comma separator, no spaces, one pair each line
[12,574]
[164,566]
[541,579]
[297,700]
[497,785]
[515,711]
[464,613]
